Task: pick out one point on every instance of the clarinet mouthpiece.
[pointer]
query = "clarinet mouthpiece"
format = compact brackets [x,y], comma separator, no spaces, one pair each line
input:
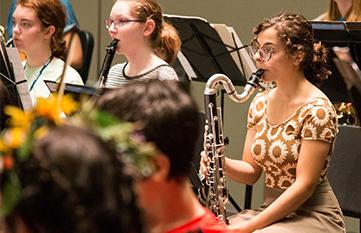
[255,78]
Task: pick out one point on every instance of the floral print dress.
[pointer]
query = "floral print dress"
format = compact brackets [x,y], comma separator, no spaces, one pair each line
[276,149]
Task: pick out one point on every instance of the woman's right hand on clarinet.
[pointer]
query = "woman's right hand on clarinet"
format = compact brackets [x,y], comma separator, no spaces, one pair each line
[204,164]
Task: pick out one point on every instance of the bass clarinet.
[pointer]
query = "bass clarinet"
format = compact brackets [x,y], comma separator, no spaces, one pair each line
[213,194]
[110,51]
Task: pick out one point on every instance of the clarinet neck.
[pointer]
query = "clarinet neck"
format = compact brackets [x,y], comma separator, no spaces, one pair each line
[249,88]
[108,59]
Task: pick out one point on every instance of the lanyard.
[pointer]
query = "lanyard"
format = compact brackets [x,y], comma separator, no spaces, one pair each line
[40,73]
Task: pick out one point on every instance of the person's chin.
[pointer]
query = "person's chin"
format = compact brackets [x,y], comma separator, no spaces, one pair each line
[267,80]
[118,51]
[18,44]
[264,75]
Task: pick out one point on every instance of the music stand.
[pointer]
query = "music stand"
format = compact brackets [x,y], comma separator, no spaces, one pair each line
[354,29]
[235,47]
[341,34]
[204,49]
[7,75]
[205,53]
[74,89]
[351,75]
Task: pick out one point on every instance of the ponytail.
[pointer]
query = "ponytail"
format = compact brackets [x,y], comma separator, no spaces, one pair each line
[169,43]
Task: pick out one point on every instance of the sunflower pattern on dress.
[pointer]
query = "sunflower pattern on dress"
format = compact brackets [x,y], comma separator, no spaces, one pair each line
[276,147]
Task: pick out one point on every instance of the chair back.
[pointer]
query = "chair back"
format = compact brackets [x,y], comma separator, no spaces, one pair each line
[87,44]
[344,172]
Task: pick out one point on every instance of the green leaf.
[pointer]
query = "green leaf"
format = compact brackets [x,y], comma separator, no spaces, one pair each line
[24,150]
[136,150]
[104,119]
[11,194]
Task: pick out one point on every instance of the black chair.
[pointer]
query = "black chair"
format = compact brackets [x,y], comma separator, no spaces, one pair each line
[87,44]
[344,172]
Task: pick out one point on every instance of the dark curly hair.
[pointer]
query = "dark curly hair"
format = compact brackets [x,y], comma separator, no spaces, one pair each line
[50,12]
[295,32]
[73,182]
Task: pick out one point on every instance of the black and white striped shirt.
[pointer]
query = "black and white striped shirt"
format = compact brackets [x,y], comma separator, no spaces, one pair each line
[117,76]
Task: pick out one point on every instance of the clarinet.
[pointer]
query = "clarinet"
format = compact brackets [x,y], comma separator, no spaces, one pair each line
[214,194]
[110,51]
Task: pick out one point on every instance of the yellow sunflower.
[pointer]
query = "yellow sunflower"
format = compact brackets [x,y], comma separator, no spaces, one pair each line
[18,117]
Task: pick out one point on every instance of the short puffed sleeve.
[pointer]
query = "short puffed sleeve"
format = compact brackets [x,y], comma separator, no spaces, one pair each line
[320,121]
[256,110]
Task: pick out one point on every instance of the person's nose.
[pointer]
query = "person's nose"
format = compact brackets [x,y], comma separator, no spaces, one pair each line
[112,34]
[16,28]
[257,56]
[112,29]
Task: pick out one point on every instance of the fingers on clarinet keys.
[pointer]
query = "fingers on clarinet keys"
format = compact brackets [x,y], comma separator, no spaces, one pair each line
[204,164]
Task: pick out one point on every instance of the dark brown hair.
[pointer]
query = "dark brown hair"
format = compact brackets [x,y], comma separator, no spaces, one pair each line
[5,99]
[167,113]
[74,182]
[295,33]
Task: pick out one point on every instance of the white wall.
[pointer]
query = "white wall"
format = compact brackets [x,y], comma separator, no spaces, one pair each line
[243,15]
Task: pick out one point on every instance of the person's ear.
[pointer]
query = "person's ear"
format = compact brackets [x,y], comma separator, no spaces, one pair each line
[149,27]
[49,31]
[162,170]
[298,58]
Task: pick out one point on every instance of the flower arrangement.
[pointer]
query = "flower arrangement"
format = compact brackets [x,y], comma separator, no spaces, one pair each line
[125,136]
[25,127]
[16,141]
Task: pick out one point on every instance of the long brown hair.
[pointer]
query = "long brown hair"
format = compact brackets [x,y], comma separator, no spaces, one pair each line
[354,14]
[164,39]
[50,12]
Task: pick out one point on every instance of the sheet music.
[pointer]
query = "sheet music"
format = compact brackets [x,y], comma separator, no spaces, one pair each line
[350,73]
[231,39]
[186,66]
[22,85]
[185,17]
[347,67]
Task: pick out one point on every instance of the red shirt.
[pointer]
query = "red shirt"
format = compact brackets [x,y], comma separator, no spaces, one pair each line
[207,223]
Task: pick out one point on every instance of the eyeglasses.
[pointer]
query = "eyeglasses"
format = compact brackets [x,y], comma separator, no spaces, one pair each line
[120,22]
[265,53]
